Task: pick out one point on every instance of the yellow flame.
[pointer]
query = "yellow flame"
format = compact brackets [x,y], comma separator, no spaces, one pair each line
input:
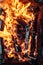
[14,10]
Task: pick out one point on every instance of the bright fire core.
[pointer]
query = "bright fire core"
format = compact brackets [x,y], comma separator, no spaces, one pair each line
[15,14]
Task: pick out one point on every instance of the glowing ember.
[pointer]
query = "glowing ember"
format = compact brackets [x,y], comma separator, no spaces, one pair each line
[14,13]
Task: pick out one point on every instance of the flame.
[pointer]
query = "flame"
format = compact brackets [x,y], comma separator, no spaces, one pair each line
[14,10]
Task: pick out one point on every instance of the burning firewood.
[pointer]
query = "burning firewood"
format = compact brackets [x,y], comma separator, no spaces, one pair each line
[17,31]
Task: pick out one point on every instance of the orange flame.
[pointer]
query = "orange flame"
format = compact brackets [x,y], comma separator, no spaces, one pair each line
[14,10]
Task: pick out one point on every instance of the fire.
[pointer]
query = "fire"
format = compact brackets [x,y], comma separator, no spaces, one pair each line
[15,10]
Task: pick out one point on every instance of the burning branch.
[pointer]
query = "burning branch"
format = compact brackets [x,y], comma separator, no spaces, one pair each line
[17,13]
